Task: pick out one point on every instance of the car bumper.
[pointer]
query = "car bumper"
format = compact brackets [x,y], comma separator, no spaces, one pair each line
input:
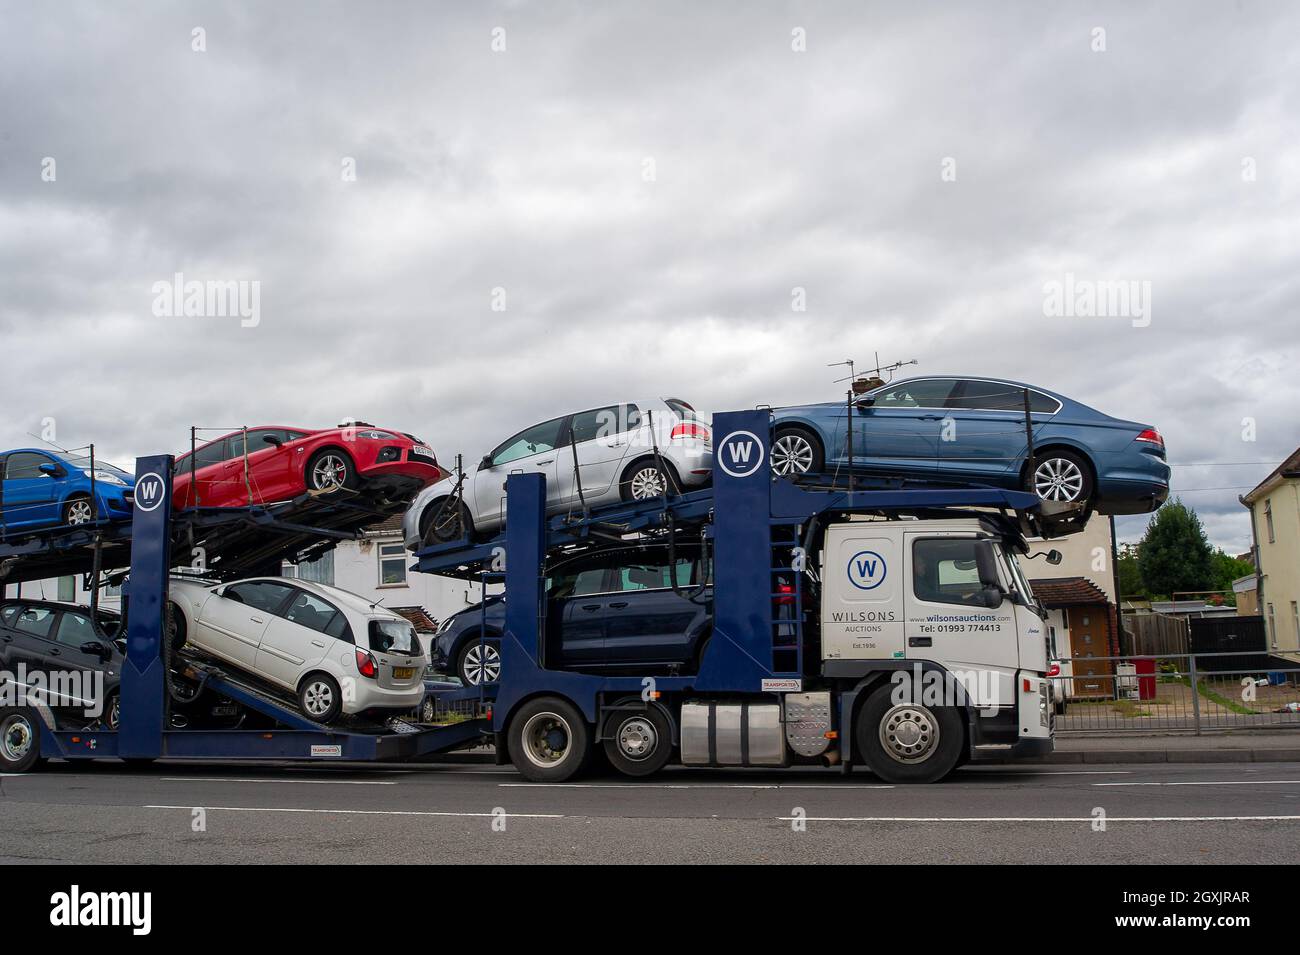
[1134,482]
[371,696]
[693,461]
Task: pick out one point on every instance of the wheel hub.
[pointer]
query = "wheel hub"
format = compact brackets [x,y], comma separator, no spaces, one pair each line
[1057,479]
[791,454]
[318,698]
[909,733]
[482,664]
[17,740]
[546,739]
[637,738]
[647,482]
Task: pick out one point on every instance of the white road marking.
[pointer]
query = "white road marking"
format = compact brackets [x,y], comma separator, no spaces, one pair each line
[370,812]
[1039,818]
[234,779]
[1213,782]
[1058,772]
[827,786]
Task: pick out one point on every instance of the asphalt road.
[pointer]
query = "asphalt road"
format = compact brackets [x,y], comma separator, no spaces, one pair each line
[477,812]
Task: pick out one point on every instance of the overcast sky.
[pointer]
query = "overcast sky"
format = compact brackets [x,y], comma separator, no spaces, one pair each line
[647,183]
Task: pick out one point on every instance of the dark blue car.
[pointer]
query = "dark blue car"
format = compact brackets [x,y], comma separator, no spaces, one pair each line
[605,611]
[972,431]
[46,488]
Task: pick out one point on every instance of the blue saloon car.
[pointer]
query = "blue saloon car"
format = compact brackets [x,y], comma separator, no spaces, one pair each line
[47,488]
[972,431]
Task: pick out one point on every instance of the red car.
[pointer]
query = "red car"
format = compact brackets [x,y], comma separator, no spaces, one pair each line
[282,463]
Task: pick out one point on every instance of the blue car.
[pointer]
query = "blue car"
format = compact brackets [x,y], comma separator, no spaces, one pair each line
[972,431]
[606,610]
[49,488]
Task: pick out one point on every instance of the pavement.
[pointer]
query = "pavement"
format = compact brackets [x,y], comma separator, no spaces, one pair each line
[1242,747]
[451,812]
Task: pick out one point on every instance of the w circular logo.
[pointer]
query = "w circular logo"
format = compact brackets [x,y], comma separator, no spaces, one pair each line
[149,492]
[740,454]
[867,570]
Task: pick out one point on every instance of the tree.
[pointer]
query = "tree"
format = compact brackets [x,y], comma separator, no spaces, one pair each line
[1130,578]
[1174,555]
[1227,569]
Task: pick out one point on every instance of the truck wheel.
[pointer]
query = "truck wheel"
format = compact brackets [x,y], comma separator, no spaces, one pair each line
[640,743]
[20,739]
[549,740]
[908,742]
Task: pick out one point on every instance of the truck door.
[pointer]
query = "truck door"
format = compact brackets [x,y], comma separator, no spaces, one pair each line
[862,593]
[948,619]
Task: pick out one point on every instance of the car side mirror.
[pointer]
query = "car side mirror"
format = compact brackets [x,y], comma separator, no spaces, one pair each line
[865,403]
[98,649]
[52,470]
[272,439]
[485,463]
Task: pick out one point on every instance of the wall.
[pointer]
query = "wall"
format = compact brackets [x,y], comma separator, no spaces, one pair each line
[1085,554]
[1279,562]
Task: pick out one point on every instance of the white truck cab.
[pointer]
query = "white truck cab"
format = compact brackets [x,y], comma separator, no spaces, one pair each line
[947,599]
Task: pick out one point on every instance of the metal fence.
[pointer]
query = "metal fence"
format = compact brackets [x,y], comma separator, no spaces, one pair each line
[1190,693]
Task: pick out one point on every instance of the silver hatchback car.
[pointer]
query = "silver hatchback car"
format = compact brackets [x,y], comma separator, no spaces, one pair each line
[597,456]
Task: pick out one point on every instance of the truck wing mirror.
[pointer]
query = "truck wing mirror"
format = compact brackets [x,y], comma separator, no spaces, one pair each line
[992,597]
[485,463]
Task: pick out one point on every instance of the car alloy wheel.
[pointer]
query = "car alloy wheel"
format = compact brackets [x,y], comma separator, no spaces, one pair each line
[17,739]
[909,733]
[114,712]
[329,473]
[646,483]
[482,664]
[318,698]
[791,454]
[80,512]
[1058,479]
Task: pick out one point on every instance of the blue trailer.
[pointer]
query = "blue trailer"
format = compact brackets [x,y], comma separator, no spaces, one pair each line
[839,666]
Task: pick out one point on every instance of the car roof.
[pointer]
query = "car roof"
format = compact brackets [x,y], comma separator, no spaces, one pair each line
[990,378]
[54,605]
[347,598]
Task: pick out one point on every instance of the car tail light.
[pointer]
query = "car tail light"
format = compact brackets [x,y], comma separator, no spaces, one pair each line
[689,429]
[1151,436]
[366,663]
[785,592]
[1054,670]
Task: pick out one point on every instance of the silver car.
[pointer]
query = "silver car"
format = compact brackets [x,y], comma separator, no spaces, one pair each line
[596,456]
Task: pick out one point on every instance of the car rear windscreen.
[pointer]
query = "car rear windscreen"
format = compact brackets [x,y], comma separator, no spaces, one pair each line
[394,636]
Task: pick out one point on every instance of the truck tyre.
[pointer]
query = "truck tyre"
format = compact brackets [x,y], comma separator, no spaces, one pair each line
[908,742]
[639,743]
[20,739]
[549,740]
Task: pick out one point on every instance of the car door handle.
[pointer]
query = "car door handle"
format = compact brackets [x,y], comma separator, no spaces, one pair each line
[318,643]
[53,651]
[619,605]
[931,417]
[257,620]
[920,642]
[591,606]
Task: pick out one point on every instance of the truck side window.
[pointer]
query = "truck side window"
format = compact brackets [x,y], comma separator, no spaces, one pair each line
[948,570]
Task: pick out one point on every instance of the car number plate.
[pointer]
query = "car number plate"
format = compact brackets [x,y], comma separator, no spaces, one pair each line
[225,710]
[403,673]
[422,451]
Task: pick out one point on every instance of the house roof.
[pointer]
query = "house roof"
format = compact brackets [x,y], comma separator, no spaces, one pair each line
[418,617]
[386,527]
[1290,468]
[1068,591]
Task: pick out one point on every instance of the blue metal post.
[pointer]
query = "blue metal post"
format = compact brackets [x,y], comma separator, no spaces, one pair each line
[143,678]
[525,549]
[740,652]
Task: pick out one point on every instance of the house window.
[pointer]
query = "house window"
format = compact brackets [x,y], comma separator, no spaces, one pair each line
[1268,520]
[319,571]
[392,565]
[68,589]
[1272,628]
